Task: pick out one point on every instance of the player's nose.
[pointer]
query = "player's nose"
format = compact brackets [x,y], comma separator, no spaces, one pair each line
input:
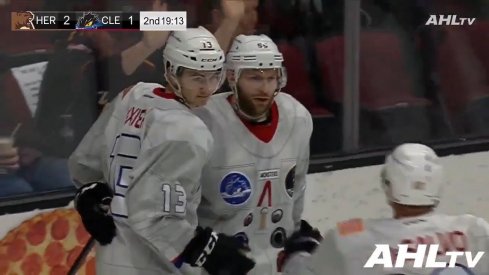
[264,89]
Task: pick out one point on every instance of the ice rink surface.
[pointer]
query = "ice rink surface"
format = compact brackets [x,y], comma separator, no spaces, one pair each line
[356,193]
[351,193]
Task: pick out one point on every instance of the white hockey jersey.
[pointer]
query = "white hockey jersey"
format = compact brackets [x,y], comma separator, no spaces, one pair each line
[346,248]
[151,150]
[253,189]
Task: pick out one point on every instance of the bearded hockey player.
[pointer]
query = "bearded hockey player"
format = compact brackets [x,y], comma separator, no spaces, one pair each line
[253,185]
[150,149]
[412,179]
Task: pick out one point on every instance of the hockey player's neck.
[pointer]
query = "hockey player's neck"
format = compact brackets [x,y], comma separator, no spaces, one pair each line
[261,119]
[243,115]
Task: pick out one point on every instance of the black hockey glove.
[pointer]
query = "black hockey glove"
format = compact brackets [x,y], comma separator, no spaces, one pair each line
[306,239]
[92,201]
[218,254]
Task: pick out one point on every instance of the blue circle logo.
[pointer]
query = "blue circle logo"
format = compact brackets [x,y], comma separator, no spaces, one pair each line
[235,188]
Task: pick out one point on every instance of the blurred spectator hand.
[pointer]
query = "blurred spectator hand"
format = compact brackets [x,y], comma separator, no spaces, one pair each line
[151,41]
[9,160]
[233,9]
[226,21]
[154,40]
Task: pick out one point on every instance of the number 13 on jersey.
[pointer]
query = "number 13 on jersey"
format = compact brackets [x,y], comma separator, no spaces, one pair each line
[125,152]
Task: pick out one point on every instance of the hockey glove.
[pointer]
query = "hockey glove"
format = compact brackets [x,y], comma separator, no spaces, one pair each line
[218,254]
[306,239]
[92,201]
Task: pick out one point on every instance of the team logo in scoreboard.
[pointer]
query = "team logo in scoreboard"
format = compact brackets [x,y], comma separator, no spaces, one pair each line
[22,20]
[88,21]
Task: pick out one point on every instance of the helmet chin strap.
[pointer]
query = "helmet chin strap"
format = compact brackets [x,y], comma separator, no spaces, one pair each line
[178,91]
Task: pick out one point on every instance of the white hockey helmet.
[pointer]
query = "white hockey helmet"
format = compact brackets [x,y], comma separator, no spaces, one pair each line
[255,52]
[194,48]
[412,175]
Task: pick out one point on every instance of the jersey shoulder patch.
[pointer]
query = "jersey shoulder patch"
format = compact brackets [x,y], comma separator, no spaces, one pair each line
[350,227]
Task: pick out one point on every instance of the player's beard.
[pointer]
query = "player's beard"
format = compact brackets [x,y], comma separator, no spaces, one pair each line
[252,108]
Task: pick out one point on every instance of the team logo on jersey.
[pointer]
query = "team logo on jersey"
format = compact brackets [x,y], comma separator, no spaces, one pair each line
[235,188]
[290,182]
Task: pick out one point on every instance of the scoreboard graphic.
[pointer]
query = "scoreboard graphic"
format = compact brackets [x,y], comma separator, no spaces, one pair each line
[93,20]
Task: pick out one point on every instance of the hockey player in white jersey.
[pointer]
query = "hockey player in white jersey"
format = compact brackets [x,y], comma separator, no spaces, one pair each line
[253,185]
[150,149]
[412,179]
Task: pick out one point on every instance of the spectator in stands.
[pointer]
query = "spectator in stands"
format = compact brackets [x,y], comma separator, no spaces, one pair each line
[220,21]
[70,97]
[24,170]
[97,73]
[9,163]
[37,162]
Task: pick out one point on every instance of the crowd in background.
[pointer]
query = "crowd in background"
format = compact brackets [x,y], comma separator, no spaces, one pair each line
[417,82]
